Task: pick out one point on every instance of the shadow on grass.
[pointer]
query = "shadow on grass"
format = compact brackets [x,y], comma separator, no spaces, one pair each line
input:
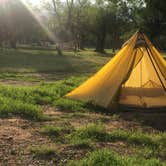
[153,118]
[48,61]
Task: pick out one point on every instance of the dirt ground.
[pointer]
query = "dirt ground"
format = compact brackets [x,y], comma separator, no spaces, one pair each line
[18,136]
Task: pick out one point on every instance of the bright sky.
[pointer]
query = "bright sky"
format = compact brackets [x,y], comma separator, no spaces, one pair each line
[34,2]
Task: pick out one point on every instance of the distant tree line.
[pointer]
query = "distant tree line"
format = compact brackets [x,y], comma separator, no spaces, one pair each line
[85,23]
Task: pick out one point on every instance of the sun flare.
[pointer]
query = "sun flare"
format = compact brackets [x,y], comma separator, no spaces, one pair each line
[36,16]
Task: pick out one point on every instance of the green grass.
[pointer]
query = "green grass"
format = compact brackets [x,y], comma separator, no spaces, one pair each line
[106,157]
[44,151]
[55,131]
[137,138]
[80,143]
[96,132]
[10,107]
[24,60]
[52,92]
[27,101]
[68,105]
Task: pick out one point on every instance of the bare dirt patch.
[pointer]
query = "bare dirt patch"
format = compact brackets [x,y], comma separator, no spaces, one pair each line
[16,136]
[17,83]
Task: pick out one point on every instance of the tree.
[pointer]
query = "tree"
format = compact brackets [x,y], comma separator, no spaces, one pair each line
[17,23]
[155,21]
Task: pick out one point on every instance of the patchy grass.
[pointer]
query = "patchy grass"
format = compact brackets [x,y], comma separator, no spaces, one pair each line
[68,105]
[27,101]
[86,136]
[106,157]
[10,107]
[137,138]
[44,151]
[81,143]
[55,131]
[24,60]
[14,76]
[76,130]
[96,132]
[24,99]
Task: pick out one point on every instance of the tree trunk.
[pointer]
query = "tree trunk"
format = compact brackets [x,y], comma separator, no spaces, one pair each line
[101,37]
[100,43]
[13,44]
[59,51]
[81,43]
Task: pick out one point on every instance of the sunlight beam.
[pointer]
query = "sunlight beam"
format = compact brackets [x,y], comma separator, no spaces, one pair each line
[38,19]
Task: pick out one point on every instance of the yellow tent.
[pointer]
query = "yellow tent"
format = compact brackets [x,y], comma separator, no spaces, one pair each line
[136,77]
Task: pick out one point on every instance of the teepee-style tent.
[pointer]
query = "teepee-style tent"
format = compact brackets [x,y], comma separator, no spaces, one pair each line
[135,77]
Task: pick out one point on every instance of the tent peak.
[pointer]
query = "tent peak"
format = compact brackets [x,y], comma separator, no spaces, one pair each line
[140,31]
[140,42]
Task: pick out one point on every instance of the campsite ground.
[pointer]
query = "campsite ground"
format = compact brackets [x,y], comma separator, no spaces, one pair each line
[40,127]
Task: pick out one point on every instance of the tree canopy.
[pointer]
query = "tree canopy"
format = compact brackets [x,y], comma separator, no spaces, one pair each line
[83,23]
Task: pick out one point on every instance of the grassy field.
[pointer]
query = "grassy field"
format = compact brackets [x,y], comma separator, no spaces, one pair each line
[38,126]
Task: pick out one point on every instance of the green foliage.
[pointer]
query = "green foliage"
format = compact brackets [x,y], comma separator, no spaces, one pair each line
[106,157]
